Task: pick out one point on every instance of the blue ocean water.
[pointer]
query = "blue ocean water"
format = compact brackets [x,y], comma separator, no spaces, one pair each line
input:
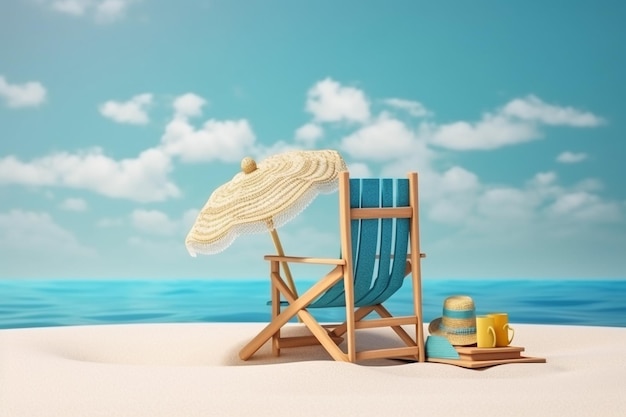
[43,303]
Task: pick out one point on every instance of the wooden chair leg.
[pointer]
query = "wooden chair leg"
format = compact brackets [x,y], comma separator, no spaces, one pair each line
[275,313]
[350,317]
[292,310]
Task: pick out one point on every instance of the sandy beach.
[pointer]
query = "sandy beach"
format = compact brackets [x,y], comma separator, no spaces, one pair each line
[194,370]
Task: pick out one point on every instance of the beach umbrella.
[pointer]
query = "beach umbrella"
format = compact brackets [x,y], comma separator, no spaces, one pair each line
[263,197]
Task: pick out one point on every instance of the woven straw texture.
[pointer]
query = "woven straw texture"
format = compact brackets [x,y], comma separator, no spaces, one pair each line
[460,331]
[263,196]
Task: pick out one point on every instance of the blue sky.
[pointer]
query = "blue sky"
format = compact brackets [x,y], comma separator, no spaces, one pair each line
[118,118]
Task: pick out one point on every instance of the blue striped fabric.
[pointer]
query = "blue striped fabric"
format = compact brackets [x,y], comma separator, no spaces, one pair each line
[375,282]
[384,262]
[334,297]
[368,240]
[400,249]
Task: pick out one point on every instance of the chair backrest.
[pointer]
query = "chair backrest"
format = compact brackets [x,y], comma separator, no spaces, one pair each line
[378,221]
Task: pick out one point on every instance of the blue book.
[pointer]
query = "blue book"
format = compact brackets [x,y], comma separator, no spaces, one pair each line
[440,347]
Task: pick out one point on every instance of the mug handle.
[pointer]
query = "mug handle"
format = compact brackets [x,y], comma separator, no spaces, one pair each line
[493,336]
[507,327]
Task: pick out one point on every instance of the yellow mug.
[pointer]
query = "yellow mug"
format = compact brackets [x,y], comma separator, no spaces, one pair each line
[485,333]
[501,325]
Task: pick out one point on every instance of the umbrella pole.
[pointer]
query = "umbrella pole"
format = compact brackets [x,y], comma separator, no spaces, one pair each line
[280,252]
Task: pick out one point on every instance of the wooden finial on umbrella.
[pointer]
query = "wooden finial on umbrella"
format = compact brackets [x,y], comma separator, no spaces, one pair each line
[248,165]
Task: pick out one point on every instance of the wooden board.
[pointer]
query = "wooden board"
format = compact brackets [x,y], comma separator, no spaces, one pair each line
[473,350]
[488,354]
[474,364]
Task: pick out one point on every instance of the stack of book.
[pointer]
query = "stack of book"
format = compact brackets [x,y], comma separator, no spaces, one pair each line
[438,349]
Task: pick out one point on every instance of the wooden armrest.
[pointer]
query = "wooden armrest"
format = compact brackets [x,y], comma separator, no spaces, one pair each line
[304,260]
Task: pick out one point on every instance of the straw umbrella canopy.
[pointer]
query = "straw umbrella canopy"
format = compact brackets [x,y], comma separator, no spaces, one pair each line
[263,197]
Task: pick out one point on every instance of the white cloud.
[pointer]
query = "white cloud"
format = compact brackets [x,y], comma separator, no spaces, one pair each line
[382,140]
[153,222]
[74,204]
[72,7]
[568,157]
[34,232]
[110,10]
[188,105]
[589,184]
[29,94]
[581,205]
[144,178]
[103,11]
[140,179]
[329,101]
[308,134]
[227,140]
[261,152]
[532,108]
[493,131]
[544,178]
[223,140]
[359,170]
[414,108]
[458,179]
[133,111]
[517,122]
[449,211]
[542,202]
[452,195]
[506,203]
[109,222]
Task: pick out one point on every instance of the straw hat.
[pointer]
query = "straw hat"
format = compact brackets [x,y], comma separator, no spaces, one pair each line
[458,322]
[263,196]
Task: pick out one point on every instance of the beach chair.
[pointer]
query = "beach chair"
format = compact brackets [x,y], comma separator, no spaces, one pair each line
[379,230]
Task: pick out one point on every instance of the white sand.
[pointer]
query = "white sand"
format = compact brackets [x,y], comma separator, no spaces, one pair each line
[193,370]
